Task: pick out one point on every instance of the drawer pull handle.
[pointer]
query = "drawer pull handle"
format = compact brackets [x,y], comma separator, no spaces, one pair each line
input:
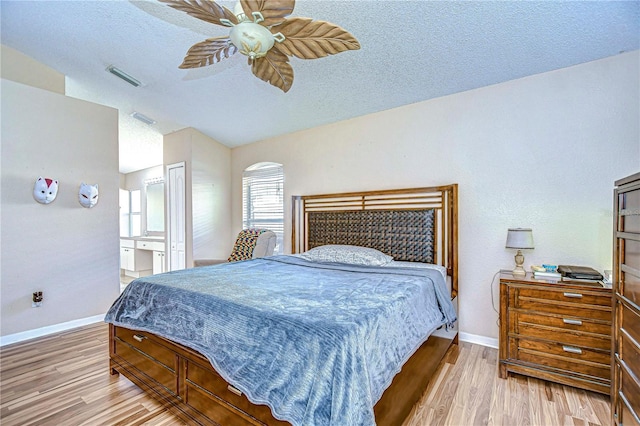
[139,337]
[234,390]
[572,349]
[571,321]
[574,295]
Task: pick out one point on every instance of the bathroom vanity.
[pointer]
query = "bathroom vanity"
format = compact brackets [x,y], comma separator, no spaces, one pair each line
[142,256]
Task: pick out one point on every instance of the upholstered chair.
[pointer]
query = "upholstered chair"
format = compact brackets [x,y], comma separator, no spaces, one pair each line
[250,244]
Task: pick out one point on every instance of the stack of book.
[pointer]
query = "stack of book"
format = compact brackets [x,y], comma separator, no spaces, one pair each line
[544,275]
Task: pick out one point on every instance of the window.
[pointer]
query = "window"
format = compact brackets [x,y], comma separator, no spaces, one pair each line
[263,199]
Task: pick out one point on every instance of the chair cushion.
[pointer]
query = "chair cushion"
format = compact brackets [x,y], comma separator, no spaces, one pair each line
[251,244]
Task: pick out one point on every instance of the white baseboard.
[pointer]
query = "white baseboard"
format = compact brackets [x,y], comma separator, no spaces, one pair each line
[50,329]
[44,331]
[479,340]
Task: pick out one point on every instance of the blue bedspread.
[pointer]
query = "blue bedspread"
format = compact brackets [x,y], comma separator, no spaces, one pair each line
[316,342]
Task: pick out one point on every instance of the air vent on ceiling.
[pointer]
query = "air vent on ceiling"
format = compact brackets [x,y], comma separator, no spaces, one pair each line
[123,75]
[143,118]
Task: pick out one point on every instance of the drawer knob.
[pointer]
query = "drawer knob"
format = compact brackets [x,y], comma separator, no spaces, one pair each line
[234,390]
[572,349]
[571,321]
[139,337]
[574,295]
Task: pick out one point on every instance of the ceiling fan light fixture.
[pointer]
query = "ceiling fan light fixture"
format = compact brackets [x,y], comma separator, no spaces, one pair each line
[251,39]
[143,118]
[124,76]
[251,34]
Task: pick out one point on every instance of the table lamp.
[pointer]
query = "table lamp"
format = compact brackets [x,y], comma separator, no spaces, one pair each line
[520,239]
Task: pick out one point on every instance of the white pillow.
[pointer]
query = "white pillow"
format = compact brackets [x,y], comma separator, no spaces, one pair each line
[347,254]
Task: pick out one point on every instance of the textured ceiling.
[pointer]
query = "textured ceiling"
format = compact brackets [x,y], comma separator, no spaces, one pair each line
[411,51]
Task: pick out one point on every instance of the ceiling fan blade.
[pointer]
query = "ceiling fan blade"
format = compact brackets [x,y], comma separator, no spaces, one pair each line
[273,11]
[275,69]
[208,52]
[309,39]
[206,10]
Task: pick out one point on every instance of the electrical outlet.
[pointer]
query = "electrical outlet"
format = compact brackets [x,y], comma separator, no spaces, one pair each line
[36,299]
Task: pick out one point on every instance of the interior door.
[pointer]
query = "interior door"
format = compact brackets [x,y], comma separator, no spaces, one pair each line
[176,211]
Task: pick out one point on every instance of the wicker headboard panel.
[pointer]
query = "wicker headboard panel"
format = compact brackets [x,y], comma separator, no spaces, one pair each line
[419,224]
[404,234]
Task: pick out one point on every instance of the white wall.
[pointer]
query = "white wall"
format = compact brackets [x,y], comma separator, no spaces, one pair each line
[67,251]
[211,198]
[18,67]
[208,200]
[540,152]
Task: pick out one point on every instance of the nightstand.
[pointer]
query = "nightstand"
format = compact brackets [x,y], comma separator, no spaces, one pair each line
[556,331]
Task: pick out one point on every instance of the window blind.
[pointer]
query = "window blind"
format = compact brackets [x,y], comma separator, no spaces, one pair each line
[263,199]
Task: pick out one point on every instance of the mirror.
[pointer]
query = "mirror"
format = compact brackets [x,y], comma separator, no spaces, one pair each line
[155,207]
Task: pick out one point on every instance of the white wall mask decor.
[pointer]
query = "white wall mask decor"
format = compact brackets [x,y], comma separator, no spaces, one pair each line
[88,195]
[45,190]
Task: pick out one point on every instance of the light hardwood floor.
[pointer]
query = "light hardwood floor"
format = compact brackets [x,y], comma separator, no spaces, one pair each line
[64,380]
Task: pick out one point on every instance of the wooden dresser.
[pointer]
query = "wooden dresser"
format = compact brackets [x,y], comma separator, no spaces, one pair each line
[556,331]
[625,390]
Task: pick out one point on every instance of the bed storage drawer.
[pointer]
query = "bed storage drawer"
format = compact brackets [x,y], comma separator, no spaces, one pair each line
[149,345]
[187,376]
[158,372]
[204,381]
[216,409]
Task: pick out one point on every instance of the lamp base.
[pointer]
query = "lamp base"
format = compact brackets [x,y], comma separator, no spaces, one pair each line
[519,270]
[519,258]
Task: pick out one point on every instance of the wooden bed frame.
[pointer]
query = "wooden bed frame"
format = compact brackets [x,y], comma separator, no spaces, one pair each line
[185,380]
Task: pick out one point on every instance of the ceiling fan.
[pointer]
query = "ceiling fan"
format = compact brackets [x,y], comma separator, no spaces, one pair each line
[261,30]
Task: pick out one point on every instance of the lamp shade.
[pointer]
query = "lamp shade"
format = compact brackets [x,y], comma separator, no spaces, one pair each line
[520,238]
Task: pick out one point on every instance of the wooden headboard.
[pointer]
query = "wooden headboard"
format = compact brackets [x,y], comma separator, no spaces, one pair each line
[417,224]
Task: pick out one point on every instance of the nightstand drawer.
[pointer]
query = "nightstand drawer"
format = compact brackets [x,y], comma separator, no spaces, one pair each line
[571,296]
[569,337]
[566,322]
[554,349]
[565,301]
[565,357]
[563,308]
